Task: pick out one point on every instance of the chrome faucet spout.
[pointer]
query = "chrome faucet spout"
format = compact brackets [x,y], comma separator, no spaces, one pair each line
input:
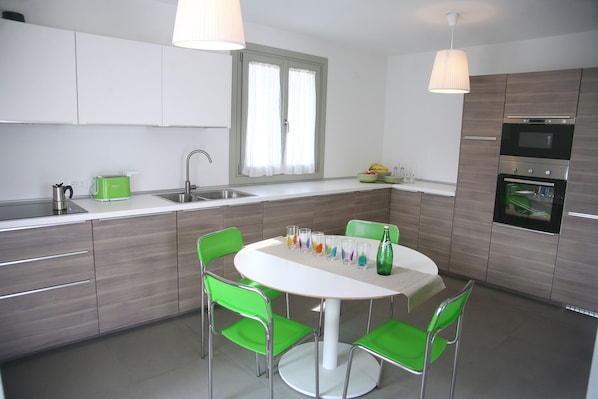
[187,182]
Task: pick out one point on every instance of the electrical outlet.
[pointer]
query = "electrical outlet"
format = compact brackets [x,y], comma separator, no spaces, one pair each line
[78,184]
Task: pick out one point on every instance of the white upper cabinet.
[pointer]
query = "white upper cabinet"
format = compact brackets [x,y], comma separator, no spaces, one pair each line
[196,88]
[119,81]
[37,74]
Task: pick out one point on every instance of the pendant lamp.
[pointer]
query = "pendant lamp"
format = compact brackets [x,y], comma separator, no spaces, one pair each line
[209,25]
[450,73]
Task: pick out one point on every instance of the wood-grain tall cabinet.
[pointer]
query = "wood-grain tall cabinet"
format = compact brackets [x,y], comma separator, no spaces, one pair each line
[483,111]
[576,272]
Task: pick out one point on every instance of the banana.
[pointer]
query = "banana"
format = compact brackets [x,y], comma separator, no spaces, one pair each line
[379,168]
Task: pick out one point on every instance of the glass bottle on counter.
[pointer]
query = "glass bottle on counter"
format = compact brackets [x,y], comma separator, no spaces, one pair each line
[384,256]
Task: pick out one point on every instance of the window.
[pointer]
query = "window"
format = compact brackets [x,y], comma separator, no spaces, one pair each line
[277,132]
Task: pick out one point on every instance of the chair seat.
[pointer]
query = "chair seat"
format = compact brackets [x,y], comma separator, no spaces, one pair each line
[250,334]
[270,292]
[402,343]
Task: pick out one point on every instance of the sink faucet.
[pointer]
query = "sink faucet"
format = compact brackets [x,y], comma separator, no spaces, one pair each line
[187,182]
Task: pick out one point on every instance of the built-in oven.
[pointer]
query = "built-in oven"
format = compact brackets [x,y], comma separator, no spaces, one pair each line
[530,193]
[537,137]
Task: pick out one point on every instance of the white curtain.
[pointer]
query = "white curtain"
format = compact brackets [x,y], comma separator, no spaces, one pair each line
[263,140]
[301,128]
[264,153]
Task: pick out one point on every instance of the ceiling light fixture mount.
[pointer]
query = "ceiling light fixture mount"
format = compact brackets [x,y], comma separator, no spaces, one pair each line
[209,25]
[450,73]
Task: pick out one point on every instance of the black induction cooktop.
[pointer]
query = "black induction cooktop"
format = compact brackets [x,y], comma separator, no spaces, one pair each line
[24,210]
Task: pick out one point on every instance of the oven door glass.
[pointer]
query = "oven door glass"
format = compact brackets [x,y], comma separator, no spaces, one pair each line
[535,204]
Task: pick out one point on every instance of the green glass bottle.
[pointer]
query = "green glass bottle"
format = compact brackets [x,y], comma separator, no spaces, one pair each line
[384,256]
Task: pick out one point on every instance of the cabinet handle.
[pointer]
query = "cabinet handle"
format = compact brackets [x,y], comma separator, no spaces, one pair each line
[40,225]
[136,216]
[16,262]
[523,229]
[480,138]
[583,215]
[55,287]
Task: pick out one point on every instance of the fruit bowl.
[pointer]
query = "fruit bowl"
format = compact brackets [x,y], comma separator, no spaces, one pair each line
[393,179]
[367,177]
[382,175]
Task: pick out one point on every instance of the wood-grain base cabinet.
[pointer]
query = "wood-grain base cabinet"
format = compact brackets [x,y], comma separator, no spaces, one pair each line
[425,223]
[191,225]
[47,288]
[522,260]
[136,269]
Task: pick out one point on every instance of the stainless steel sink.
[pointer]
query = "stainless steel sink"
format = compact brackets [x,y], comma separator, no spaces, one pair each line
[206,195]
[181,197]
[222,194]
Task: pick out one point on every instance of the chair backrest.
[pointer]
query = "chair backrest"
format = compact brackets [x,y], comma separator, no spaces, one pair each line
[450,310]
[217,244]
[373,230]
[243,299]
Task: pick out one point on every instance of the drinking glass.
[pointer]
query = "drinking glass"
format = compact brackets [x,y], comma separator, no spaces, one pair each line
[317,243]
[331,245]
[362,254]
[292,236]
[304,239]
[348,250]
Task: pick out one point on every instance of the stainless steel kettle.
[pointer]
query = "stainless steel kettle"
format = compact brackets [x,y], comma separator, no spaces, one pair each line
[58,196]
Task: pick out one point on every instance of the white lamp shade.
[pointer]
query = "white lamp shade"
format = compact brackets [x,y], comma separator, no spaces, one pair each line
[450,73]
[209,25]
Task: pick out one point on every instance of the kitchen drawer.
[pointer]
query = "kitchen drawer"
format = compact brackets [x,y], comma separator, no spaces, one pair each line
[42,319]
[34,273]
[45,241]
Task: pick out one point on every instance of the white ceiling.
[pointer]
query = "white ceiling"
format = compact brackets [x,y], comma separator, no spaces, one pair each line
[394,27]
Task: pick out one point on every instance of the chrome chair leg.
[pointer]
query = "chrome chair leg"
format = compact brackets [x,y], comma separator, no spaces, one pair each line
[370,316]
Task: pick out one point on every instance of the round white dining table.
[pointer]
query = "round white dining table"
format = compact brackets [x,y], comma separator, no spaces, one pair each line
[271,263]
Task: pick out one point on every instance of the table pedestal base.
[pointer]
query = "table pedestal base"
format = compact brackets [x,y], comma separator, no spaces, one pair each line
[296,368]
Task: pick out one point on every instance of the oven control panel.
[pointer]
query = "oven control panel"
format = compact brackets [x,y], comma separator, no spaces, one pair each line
[534,167]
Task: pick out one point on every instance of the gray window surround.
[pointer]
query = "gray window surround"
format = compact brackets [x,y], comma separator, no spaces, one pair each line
[235,144]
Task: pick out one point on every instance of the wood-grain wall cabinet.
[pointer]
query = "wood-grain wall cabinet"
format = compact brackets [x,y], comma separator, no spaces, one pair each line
[522,260]
[550,93]
[476,181]
[136,269]
[47,288]
[576,274]
[191,225]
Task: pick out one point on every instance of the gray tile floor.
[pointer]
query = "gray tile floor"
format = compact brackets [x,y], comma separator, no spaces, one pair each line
[513,347]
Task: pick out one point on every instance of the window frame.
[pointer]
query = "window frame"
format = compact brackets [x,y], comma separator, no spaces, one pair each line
[237,138]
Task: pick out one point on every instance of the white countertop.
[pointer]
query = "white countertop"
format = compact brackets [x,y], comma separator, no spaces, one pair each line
[145,204]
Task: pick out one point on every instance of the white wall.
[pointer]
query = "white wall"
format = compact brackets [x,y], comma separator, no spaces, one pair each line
[377,109]
[422,129]
[33,157]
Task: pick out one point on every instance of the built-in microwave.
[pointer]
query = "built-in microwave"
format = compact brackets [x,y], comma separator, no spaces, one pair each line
[537,137]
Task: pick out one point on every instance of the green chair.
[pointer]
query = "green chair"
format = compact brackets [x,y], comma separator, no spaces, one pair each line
[216,245]
[411,348]
[373,230]
[258,330]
